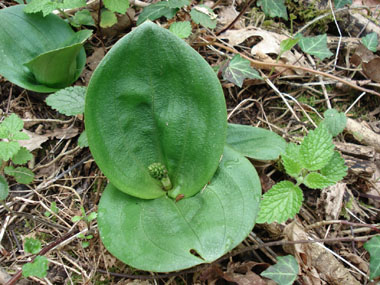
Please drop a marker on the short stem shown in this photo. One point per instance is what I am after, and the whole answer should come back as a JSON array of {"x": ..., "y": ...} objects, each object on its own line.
[
  {"x": 166, "y": 183},
  {"x": 6, "y": 207}
]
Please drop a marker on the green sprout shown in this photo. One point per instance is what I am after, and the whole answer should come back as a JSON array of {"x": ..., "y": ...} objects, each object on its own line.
[{"x": 158, "y": 171}]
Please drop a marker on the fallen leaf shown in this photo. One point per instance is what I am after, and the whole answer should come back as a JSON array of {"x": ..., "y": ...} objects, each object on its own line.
[
  {"x": 34, "y": 142},
  {"x": 333, "y": 200},
  {"x": 227, "y": 14},
  {"x": 66, "y": 134},
  {"x": 371, "y": 69}
]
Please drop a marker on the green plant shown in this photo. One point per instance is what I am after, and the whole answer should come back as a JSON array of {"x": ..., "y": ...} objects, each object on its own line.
[
  {"x": 42, "y": 54},
  {"x": 284, "y": 272},
  {"x": 313, "y": 163},
  {"x": 164, "y": 118},
  {"x": 84, "y": 217},
  {"x": 373, "y": 247},
  {"x": 39, "y": 265}
]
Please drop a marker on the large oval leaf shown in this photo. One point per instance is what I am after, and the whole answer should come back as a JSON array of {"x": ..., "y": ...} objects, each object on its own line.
[
  {"x": 26, "y": 36},
  {"x": 163, "y": 235},
  {"x": 155, "y": 99}
]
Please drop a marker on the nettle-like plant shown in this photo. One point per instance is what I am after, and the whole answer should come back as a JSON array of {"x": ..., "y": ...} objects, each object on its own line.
[
  {"x": 180, "y": 193},
  {"x": 41, "y": 54}
]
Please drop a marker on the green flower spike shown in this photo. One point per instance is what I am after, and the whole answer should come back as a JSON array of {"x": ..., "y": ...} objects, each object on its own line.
[{"x": 158, "y": 171}]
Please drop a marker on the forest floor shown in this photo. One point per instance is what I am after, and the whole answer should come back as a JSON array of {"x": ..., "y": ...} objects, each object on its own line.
[{"x": 344, "y": 215}]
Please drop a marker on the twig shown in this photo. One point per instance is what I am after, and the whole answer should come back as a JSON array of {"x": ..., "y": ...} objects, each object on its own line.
[{"x": 324, "y": 223}]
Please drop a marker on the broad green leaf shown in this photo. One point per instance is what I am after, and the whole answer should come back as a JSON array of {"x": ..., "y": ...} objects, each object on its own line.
[
  {"x": 371, "y": 41},
  {"x": 204, "y": 16},
  {"x": 334, "y": 121},
  {"x": 20, "y": 136},
  {"x": 107, "y": 19},
  {"x": 155, "y": 11},
  {"x": 82, "y": 140},
  {"x": 4, "y": 189},
  {"x": 82, "y": 17},
  {"x": 148, "y": 104},
  {"x": 71, "y": 4},
  {"x": 335, "y": 169},
  {"x": 316, "y": 149},
  {"x": 315, "y": 180},
  {"x": 37, "y": 268},
  {"x": 273, "y": 8},
  {"x": 13, "y": 124},
  {"x": 288, "y": 44},
  {"x": 281, "y": 202},
  {"x": 341, "y": 3},
  {"x": 8, "y": 149},
  {"x": 181, "y": 29},
  {"x": 373, "y": 247},
  {"x": 161, "y": 234},
  {"x": 291, "y": 160},
  {"x": 119, "y": 6},
  {"x": 239, "y": 69},
  {"x": 21, "y": 174},
  {"x": 22, "y": 156},
  {"x": 256, "y": 143},
  {"x": 68, "y": 101},
  {"x": 44, "y": 6},
  {"x": 315, "y": 46},
  {"x": 33, "y": 35},
  {"x": 284, "y": 272},
  {"x": 178, "y": 3},
  {"x": 57, "y": 68},
  {"x": 32, "y": 245}
]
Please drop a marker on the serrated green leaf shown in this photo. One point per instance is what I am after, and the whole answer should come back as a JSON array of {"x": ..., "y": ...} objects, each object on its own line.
[
  {"x": 288, "y": 44},
  {"x": 341, "y": 3},
  {"x": 71, "y": 4},
  {"x": 203, "y": 15},
  {"x": 68, "y": 101},
  {"x": 4, "y": 133},
  {"x": 291, "y": 161},
  {"x": 32, "y": 245},
  {"x": 119, "y": 6},
  {"x": 13, "y": 124},
  {"x": 370, "y": 41},
  {"x": 239, "y": 69},
  {"x": 82, "y": 17},
  {"x": 281, "y": 202},
  {"x": 316, "y": 149},
  {"x": 315, "y": 180},
  {"x": 82, "y": 140},
  {"x": 21, "y": 174},
  {"x": 4, "y": 189},
  {"x": 335, "y": 168},
  {"x": 44, "y": 6},
  {"x": 284, "y": 272},
  {"x": 107, "y": 19},
  {"x": 37, "y": 268},
  {"x": 373, "y": 247},
  {"x": 315, "y": 46},
  {"x": 178, "y": 3},
  {"x": 155, "y": 11},
  {"x": 334, "y": 121},
  {"x": 273, "y": 8},
  {"x": 8, "y": 149},
  {"x": 181, "y": 29},
  {"x": 255, "y": 143},
  {"x": 22, "y": 156},
  {"x": 20, "y": 136}
]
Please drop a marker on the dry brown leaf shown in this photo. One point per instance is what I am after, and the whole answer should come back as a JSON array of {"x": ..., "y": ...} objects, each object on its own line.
[
  {"x": 333, "y": 200},
  {"x": 34, "y": 142},
  {"x": 227, "y": 14},
  {"x": 66, "y": 134},
  {"x": 372, "y": 70}
]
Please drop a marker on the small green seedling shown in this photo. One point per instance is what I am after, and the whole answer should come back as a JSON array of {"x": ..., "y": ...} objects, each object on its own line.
[
  {"x": 85, "y": 239},
  {"x": 53, "y": 209},
  {"x": 87, "y": 218},
  {"x": 39, "y": 266}
]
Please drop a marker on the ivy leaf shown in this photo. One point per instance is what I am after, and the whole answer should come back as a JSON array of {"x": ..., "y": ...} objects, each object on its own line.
[
  {"x": 178, "y": 3},
  {"x": 341, "y": 3},
  {"x": 107, "y": 19},
  {"x": 316, "y": 149},
  {"x": 68, "y": 101},
  {"x": 82, "y": 140},
  {"x": 4, "y": 189},
  {"x": 181, "y": 29},
  {"x": 8, "y": 149},
  {"x": 44, "y": 6},
  {"x": 119, "y": 6},
  {"x": 239, "y": 69},
  {"x": 315, "y": 46},
  {"x": 204, "y": 16},
  {"x": 155, "y": 11},
  {"x": 82, "y": 17},
  {"x": 32, "y": 245},
  {"x": 334, "y": 121},
  {"x": 22, "y": 156},
  {"x": 290, "y": 160},
  {"x": 281, "y": 202},
  {"x": 273, "y": 8},
  {"x": 288, "y": 44},
  {"x": 370, "y": 41},
  {"x": 37, "y": 268},
  {"x": 22, "y": 175},
  {"x": 284, "y": 272},
  {"x": 315, "y": 180},
  {"x": 335, "y": 169},
  {"x": 373, "y": 247}
]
